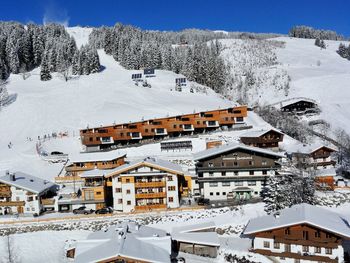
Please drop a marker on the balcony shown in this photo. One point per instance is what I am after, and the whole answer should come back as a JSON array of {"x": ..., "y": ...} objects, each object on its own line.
[
  {"x": 12, "y": 203},
  {"x": 212, "y": 124},
  {"x": 150, "y": 207},
  {"x": 106, "y": 140},
  {"x": 149, "y": 184},
  {"x": 49, "y": 201},
  {"x": 136, "y": 135},
  {"x": 62, "y": 179},
  {"x": 161, "y": 131},
  {"x": 5, "y": 193},
  {"x": 150, "y": 195},
  {"x": 188, "y": 127}
]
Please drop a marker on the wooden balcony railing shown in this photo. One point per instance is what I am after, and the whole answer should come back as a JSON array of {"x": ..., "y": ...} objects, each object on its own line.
[
  {"x": 5, "y": 193},
  {"x": 149, "y": 184},
  {"x": 50, "y": 201},
  {"x": 150, "y": 207},
  {"x": 151, "y": 195},
  {"x": 12, "y": 203},
  {"x": 60, "y": 179}
]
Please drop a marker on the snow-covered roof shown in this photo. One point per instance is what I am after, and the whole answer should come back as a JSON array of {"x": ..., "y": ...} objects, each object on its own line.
[
  {"x": 162, "y": 164},
  {"x": 233, "y": 146},
  {"x": 294, "y": 100},
  {"x": 27, "y": 182},
  {"x": 94, "y": 173},
  {"x": 308, "y": 148},
  {"x": 326, "y": 172},
  {"x": 126, "y": 241},
  {"x": 196, "y": 234},
  {"x": 258, "y": 133},
  {"x": 301, "y": 214},
  {"x": 95, "y": 157}
]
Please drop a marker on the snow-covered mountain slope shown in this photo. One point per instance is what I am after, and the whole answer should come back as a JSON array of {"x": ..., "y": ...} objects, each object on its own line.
[
  {"x": 111, "y": 96},
  {"x": 318, "y": 74},
  {"x": 80, "y": 34}
]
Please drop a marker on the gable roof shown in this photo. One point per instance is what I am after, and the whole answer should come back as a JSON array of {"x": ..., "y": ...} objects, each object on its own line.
[
  {"x": 309, "y": 148},
  {"x": 259, "y": 133},
  {"x": 301, "y": 214},
  {"x": 295, "y": 100},
  {"x": 149, "y": 245},
  {"x": 27, "y": 182},
  {"x": 96, "y": 157},
  {"x": 150, "y": 162},
  {"x": 232, "y": 146}
]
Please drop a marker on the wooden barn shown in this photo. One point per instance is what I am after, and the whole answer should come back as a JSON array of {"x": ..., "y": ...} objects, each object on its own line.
[{"x": 300, "y": 106}]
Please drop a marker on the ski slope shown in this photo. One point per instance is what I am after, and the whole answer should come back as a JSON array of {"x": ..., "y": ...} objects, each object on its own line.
[
  {"x": 318, "y": 74},
  {"x": 110, "y": 96}
]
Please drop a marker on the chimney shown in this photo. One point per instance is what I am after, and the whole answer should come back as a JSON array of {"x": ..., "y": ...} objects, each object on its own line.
[
  {"x": 13, "y": 177},
  {"x": 276, "y": 215},
  {"x": 7, "y": 172}
]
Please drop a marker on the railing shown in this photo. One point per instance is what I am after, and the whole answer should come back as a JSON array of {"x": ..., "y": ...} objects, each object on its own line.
[
  {"x": 5, "y": 193},
  {"x": 149, "y": 184},
  {"x": 50, "y": 201},
  {"x": 150, "y": 195},
  {"x": 150, "y": 207},
  {"x": 12, "y": 203},
  {"x": 60, "y": 179}
]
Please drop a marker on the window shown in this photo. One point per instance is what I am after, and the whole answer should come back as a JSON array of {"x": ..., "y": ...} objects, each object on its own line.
[
  {"x": 223, "y": 193},
  {"x": 240, "y": 183},
  {"x": 30, "y": 198},
  {"x": 223, "y": 173},
  {"x": 90, "y": 139},
  {"x": 118, "y": 190},
  {"x": 287, "y": 231},
  {"x": 210, "y": 165},
  {"x": 211, "y": 174},
  {"x": 235, "y": 172},
  {"x": 17, "y": 198},
  {"x": 276, "y": 245},
  {"x": 305, "y": 248},
  {"x": 328, "y": 251},
  {"x": 146, "y": 130},
  {"x": 217, "y": 193},
  {"x": 239, "y": 118},
  {"x": 318, "y": 234},
  {"x": 305, "y": 235},
  {"x": 251, "y": 172},
  {"x": 98, "y": 193},
  {"x": 120, "y": 201},
  {"x": 287, "y": 247},
  {"x": 128, "y": 202},
  {"x": 211, "y": 193},
  {"x": 170, "y": 178},
  {"x": 264, "y": 172},
  {"x": 317, "y": 250},
  {"x": 235, "y": 163},
  {"x": 251, "y": 183},
  {"x": 119, "y": 179},
  {"x": 127, "y": 180},
  {"x": 213, "y": 184},
  {"x": 328, "y": 235},
  {"x": 296, "y": 260},
  {"x": 226, "y": 184},
  {"x": 89, "y": 195},
  {"x": 264, "y": 162},
  {"x": 171, "y": 188},
  {"x": 171, "y": 199},
  {"x": 128, "y": 191},
  {"x": 266, "y": 244}
]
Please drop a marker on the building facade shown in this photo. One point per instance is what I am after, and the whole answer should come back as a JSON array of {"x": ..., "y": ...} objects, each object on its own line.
[
  {"x": 235, "y": 171},
  {"x": 302, "y": 233},
  {"x": 119, "y": 134},
  {"x": 146, "y": 185},
  {"x": 23, "y": 193},
  {"x": 263, "y": 139}
]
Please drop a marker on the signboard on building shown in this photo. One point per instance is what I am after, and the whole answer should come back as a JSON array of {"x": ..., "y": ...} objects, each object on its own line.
[{"x": 149, "y": 72}]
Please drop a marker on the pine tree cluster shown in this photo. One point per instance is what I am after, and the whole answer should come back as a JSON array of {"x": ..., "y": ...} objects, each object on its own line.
[
  {"x": 185, "y": 52},
  {"x": 344, "y": 51},
  {"x": 24, "y": 47},
  {"x": 287, "y": 190},
  {"x": 320, "y": 43},
  {"x": 309, "y": 32}
]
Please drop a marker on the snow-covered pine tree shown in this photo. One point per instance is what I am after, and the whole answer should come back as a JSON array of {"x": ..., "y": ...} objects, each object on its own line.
[
  {"x": 12, "y": 53},
  {"x": 45, "y": 70},
  {"x": 76, "y": 66}
]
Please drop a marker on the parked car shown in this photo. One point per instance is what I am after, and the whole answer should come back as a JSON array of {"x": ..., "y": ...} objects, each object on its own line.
[
  {"x": 105, "y": 210},
  {"x": 203, "y": 201},
  {"x": 83, "y": 210}
]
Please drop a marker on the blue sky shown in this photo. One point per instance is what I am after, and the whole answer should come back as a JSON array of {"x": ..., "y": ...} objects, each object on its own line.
[{"x": 232, "y": 15}]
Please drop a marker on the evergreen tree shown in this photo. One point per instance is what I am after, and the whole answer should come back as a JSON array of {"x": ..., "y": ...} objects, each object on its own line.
[{"x": 45, "y": 70}]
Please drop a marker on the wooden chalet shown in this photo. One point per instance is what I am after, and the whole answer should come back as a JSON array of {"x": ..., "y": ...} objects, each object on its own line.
[
  {"x": 263, "y": 138},
  {"x": 299, "y": 106},
  {"x": 105, "y": 137},
  {"x": 301, "y": 233}
]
